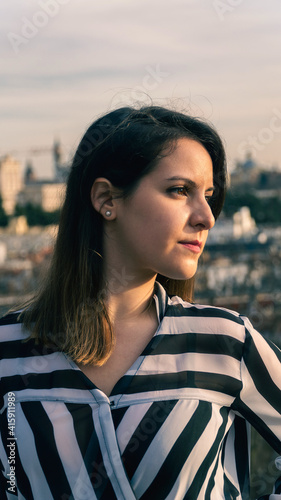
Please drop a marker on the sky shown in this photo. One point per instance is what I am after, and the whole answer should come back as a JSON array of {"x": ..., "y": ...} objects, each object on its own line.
[{"x": 66, "y": 62}]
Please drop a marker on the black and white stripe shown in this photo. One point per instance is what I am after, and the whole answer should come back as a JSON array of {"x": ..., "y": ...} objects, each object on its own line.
[{"x": 176, "y": 426}]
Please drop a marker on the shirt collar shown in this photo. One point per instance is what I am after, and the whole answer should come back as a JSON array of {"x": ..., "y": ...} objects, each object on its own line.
[{"x": 161, "y": 300}]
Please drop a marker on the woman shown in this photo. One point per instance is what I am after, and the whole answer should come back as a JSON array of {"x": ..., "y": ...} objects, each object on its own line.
[{"x": 119, "y": 386}]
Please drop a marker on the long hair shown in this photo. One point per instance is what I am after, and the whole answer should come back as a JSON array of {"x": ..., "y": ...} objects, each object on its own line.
[{"x": 122, "y": 146}]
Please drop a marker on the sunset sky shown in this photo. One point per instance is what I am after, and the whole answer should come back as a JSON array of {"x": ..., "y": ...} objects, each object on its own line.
[{"x": 64, "y": 62}]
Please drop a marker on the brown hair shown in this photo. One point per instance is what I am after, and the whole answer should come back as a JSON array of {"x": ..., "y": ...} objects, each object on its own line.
[{"x": 122, "y": 146}]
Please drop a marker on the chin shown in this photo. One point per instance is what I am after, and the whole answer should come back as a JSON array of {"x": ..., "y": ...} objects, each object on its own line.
[
  {"x": 187, "y": 274},
  {"x": 184, "y": 275}
]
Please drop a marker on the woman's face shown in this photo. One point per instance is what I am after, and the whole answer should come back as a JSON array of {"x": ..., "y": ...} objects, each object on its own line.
[{"x": 163, "y": 226}]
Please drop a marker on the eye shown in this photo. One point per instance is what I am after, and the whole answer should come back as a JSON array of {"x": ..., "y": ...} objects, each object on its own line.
[
  {"x": 180, "y": 190},
  {"x": 209, "y": 197}
]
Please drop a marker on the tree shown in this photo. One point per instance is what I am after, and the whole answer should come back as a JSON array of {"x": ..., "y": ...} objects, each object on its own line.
[
  {"x": 263, "y": 210},
  {"x": 36, "y": 216},
  {"x": 3, "y": 216}
]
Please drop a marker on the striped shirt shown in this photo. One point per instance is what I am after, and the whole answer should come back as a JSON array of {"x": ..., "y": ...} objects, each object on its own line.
[{"x": 175, "y": 427}]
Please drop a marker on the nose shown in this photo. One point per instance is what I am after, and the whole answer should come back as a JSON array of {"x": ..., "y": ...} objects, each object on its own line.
[{"x": 202, "y": 216}]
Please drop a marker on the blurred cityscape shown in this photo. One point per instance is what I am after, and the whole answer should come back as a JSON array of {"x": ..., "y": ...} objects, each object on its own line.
[
  {"x": 240, "y": 268},
  {"x": 29, "y": 211}
]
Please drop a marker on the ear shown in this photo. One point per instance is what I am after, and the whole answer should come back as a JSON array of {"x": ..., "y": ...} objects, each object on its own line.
[{"x": 102, "y": 198}]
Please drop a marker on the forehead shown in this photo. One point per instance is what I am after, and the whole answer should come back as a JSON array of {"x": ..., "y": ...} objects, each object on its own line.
[{"x": 187, "y": 158}]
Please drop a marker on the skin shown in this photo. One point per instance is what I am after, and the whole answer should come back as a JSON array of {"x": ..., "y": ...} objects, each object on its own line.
[
  {"x": 145, "y": 235},
  {"x": 149, "y": 225}
]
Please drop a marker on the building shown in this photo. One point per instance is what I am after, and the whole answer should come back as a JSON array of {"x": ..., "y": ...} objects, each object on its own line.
[
  {"x": 48, "y": 195},
  {"x": 61, "y": 169},
  {"x": 250, "y": 174},
  {"x": 10, "y": 183}
]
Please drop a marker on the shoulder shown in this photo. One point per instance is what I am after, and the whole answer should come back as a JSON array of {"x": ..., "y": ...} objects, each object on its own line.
[
  {"x": 11, "y": 327},
  {"x": 12, "y": 335},
  {"x": 22, "y": 355},
  {"x": 179, "y": 307},
  {"x": 10, "y": 318},
  {"x": 204, "y": 310},
  {"x": 205, "y": 318}
]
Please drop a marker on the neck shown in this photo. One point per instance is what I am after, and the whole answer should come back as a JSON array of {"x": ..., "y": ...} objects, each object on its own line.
[{"x": 131, "y": 300}]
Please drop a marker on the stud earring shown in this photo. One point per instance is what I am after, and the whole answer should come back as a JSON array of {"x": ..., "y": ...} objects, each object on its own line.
[{"x": 107, "y": 213}]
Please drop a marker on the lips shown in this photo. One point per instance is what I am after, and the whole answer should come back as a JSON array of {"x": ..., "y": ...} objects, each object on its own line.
[{"x": 194, "y": 246}]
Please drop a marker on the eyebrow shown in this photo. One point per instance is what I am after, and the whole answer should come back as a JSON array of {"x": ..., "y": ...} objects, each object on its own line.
[{"x": 189, "y": 182}]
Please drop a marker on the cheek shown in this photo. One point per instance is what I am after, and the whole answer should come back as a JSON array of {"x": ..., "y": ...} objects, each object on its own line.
[
  {"x": 154, "y": 221},
  {"x": 151, "y": 233}
]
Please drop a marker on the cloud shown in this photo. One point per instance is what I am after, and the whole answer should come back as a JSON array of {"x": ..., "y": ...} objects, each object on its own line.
[{"x": 87, "y": 58}]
